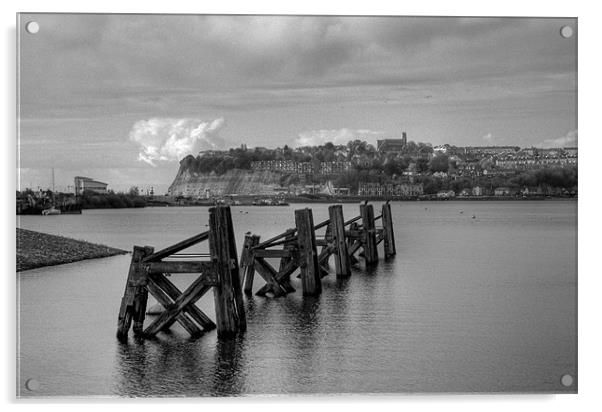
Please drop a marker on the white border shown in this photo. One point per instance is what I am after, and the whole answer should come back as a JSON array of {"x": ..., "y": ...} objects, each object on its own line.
[{"x": 589, "y": 205}]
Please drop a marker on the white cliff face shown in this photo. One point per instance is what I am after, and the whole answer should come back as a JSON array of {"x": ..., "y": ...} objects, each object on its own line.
[{"x": 235, "y": 181}]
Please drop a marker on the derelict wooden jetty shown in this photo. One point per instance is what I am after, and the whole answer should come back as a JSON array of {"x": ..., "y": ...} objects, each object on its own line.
[
  {"x": 296, "y": 248},
  {"x": 220, "y": 273}
]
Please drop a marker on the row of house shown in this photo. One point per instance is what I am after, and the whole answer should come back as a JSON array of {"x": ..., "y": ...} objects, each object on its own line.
[
  {"x": 292, "y": 166},
  {"x": 390, "y": 189},
  {"x": 501, "y": 191},
  {"x": 529, "y": 162}
]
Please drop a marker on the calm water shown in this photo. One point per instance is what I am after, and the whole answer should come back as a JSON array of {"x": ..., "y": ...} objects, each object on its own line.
[{"x": 485, "y": 304}]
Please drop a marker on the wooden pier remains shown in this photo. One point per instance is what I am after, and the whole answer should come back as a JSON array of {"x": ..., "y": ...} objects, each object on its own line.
[
  {"x": 148, "y": 270},
  {"x": 297, "y": 249}
]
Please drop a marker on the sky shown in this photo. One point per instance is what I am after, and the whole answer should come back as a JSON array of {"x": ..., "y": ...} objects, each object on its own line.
[{"x": 122, "y": 98}]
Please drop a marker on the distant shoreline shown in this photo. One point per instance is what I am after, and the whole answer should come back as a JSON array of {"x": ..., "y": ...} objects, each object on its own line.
[
  {"x": 36, "y": 249},
  {"x": 247, "y": 200}
]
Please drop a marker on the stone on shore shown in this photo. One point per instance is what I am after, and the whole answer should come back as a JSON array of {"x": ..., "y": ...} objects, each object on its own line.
[{"x": 35, "y": 249}]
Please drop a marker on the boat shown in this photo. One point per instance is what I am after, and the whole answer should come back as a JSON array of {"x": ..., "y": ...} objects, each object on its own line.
[
  {"x": 51, "y": 211},
  {"x": 269, "y": 202}
]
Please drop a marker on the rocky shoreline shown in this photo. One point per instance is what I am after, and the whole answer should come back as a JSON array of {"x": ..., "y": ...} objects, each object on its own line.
[{"x": 35, "y": 249}]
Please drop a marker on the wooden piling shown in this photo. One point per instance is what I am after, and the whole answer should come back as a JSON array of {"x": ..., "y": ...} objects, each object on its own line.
[
  {"x": 236, "y": 280},
  {"x": 133, "y": 303},
  {"x": 229, "y": 314},
  {"x": 370, "y": 249},
  {"x": 342, "y": 261},
  {"x": 310, "y": 269},
  {"x": 353, "y": 227},
  {"x": 247, "y": 261},
  {"x": 388, "y": 234},
  {"x": 286, "y": 261}
]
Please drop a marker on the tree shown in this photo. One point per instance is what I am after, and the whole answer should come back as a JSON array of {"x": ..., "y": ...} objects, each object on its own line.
[
  {"x": 134, "y": 191},
  {"x": 395, "y": 166},
  {"x": 411, "y": 147},
  {"x": 431, "y": 186},
  {"x": 439, "y": 163},
  {"x": 422, "y": 165}
]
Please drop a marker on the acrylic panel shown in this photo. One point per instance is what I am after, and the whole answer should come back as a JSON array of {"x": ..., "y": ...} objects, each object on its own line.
[{"x": 239, "y": 205}]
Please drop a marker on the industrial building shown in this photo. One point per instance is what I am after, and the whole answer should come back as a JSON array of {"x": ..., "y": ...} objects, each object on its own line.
[{"x": 83, "y": 184}]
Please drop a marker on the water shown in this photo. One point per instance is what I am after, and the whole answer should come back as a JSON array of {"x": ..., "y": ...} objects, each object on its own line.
[{"x": 467, "y": 305}]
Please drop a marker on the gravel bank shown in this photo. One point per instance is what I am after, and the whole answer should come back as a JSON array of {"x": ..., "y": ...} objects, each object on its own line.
[{"x": 35, "y": 249}]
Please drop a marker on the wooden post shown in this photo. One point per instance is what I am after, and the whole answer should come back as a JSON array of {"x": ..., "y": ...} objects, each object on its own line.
[
  {"x": 388, "y": 235},
  {"x": 236, "y": 280},
  {"x": 308, "y": 255},
  {"x": 285, "y": 261},
  {"x": 133, "y": 303},
  {"x": 227, "y": 311},
  {"x": 341, "y": 259},
  {"x": 353, "y": 227},
  {"x": 247, "y": 261},
  {"x": 370, "y": 250}
]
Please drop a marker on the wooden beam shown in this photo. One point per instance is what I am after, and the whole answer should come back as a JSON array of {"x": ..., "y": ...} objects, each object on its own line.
[
  {"x": 235, "y": 272},
  {"x": 291, "y": 247},
  {"x": 354, "y": 234},
  {"x": 182, "y": 318},
  {"x": 370, "y": 249},
  {"x": 206, "y": 268},
  {"x": 190, "y": 295},
  {"x": 324, "y": 255},
  {"x": 268, "y": 253},
  {"x": 310, "y": 269},
  {"x": 247, "y": 261},
  {"x": 271, "y": 240},
  {"x": 173, "y": 292},
  {"x": 355, "y": 247},
  {"x": 163, "y": 253},
  {"x": 342, "y": 262},
  {"x": 133, "y": 303},
  {"x": 290, "y": 239},
  {"x": 322, "y": 224},
  {"x": 268, "y": 273},
  {"x": 229, "y": 311},
  {"x": 282, "y": 278},
  {"x": 350, "y": 221},
  {"x": 387, "y": 232}
]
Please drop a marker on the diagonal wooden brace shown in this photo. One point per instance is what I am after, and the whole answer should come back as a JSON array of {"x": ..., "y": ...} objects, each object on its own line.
[
  {"x": 282, "y": 278},
  {"x": 197, "y": 289},
  {"x": 183, "y": 318},
  {"x": 268, "y": 273},
  {"x": 173, "y": 293}
]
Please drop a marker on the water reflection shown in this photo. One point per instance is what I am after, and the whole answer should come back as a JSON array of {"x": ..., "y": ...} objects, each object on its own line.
[
  {"x": 229, "y": 376},
  {"x": 438, "y": 311}
]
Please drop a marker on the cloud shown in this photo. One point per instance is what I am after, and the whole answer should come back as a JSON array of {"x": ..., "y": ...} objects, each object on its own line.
[
  {"x": 167, "y": 139},
  {"x": 488, "y": 137},
  {"x": 163, "y": 55},
  {"x": 568, "y": 140},
  {"x": 336, "y": 136}
]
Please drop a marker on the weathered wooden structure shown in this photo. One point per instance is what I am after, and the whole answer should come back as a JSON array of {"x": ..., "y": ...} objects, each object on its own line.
[
  {"x": 148, "y": 270},
  {"x": 297, "y": 249}
]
